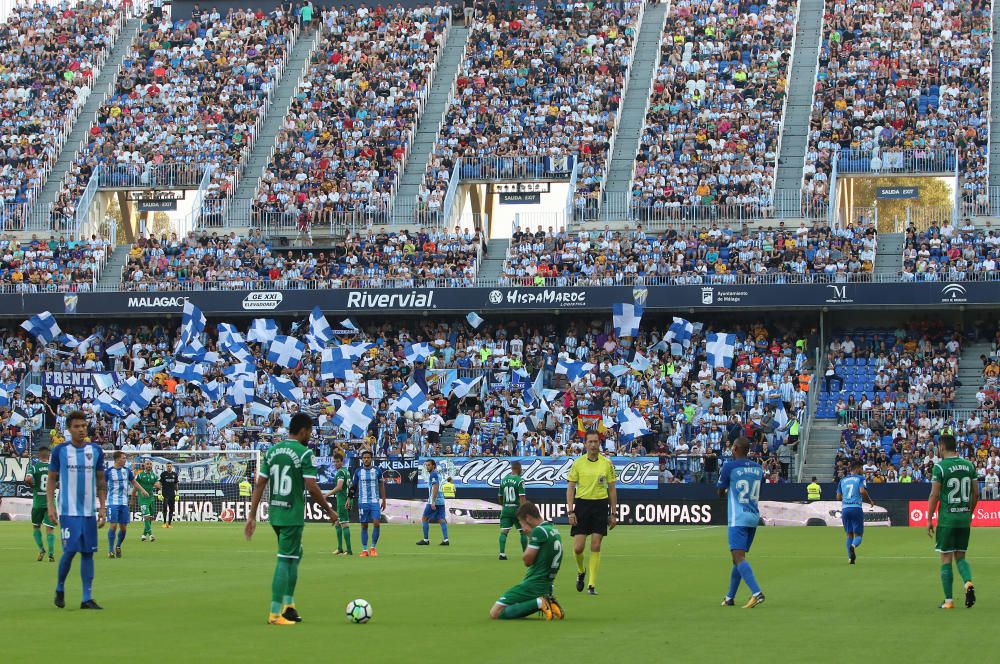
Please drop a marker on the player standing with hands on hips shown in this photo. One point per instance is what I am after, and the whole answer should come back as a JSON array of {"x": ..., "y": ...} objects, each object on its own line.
[
  {"x": 77, "y": 469},
  {"x": 592, "y": 505},
  {"x": 288, "y": 467}
]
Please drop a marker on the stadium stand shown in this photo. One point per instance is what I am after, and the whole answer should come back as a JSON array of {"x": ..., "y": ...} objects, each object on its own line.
[
  {"x": 45, "y": 266},
  {"x": 714, "y": 118},
  {"x": 948, "y": 254},
  {"x": 348, "y": 134}
]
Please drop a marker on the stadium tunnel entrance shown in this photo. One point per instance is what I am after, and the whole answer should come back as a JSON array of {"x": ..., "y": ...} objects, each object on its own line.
[{"x": 895, "y": 201}]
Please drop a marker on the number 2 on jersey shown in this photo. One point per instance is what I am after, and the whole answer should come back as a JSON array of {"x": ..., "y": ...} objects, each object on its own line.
[
  {"x": 959, "y": 490},
  {"x": 747, "y": 490}
]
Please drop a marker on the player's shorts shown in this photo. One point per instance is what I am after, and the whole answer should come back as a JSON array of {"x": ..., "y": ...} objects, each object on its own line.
[
  {"x": 591, "y": 517},
  {"x": 741, "y": 537},
  {"x": 148, "y": 507},
  {"x": 508, "y": 517},
  {"x": 289, "y": 541},
  {"x": 40, "y": 517},
  {"x": 853, "y": 519},
  {"x": 343, "y": 515},
  {"x": 78, "y": 533},
  {"x": 950, "y": 539},
  {"x": 524, "y": 592},
  {"x": 369, "y": 512},
  {"x": 435, "y": 513},
  {"x": 119, "y": 514}
]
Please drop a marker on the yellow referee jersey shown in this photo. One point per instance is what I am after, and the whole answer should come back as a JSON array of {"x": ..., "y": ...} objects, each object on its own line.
[{"x": 592, "y": 478}]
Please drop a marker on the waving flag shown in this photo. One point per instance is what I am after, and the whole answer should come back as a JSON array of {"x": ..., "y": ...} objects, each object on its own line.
[
  {"x": 411, "y": 400},
  {"x": 186, "y": 371},
  {"x": 286, "y": 352},
  {"x": 333, "y": 364},
  {"x": 640, "y": 363},
  {"x": 353, "y": 418},
  {"x": 212, "y": 391},
  {"x": 626, "y": 319},
  {"x": 573, "y": 370},
  {"x": 192, "y": 323},
  {"x": 117, "y": 350},
  {"x": 721, "y": 349},
  {"x": 319, "y": 327},
  {"x": 348, "y": 323},
  {"x": 474, "y": 319},
  {"x": 135, "y": 394},
  {"x": 286, "y": 388},
  {"x": 418, "y": 352},
  {"x": 241, "y": 390},
  {"x": 631, "y": 425},
  {"x": 354, "y": 350},
  {"x": 259, "y": 408},
  {"x": 462, "y": 386},
  {"x": 680, "y": 331},
  {"x": 109, "y": 403},
  {"x": 43, "y": 327},
  {"x": 104, "y": 381},
  {"x": 262, "y": 330},
  {"x": 241, "y": 369},
  {"x": 533, "y": 393},
  {"x": 18, "y": 417},
  {"x": 462, "y": 422},
  {"x": 222, "y": 417}
]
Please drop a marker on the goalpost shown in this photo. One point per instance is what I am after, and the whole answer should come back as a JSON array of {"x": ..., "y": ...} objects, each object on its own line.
[{"x": 208, "y": 482}]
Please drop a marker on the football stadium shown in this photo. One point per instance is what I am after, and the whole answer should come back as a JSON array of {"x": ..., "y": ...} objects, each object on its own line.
[{"x": 409, "y": 330}]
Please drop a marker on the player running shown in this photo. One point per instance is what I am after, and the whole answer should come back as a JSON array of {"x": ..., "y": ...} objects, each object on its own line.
[
  {"x": 288, "y": 467},
  {"x": 38, "y": 479},
  {"x": 592, "y": 506},
  {"x": 543, "y": 557},
  {"x": 168, "y": 489},
  {"x": 511, "y": 497},
  {"x": 77, "y": 469},
  {"x": 741, "y": 479},
  {"x": 121, "y": 484},
  {"x": 850, "y": 492},
  {"x": 147, "y": 504},
  {"x": 434, "y": 511},
  {"x": 371, "y": 501},
  {"x": 341, "y": 493},
  {"x": 961, "y": 493}
]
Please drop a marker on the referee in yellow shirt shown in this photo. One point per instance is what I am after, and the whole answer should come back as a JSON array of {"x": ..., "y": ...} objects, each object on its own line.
[{"x": 591, "y": 502}]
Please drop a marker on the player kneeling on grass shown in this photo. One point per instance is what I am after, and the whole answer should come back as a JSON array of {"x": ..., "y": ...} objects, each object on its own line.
[{"x": 543, "y": 557}]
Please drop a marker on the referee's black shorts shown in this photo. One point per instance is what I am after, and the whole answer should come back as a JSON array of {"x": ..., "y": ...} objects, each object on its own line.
[{"x": 591, "y": 517}]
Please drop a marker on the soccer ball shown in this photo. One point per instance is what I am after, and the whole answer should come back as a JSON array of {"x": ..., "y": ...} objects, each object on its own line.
[{"x": 359, "y": 611}]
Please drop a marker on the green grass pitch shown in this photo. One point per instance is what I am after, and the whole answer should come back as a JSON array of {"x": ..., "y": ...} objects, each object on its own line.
[{"x": 200, "y": 593}]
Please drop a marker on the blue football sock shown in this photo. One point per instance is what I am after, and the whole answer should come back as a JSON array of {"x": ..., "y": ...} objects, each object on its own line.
[
  {"x": 444, "y": 529},
  {"x": 87, "y": 574},
  {"x": 65, "y": 563},
  {"x": 734, "y": 581},
  {"x": 111, "y": 541},
  {"x": 121, "y": 535},
  {"x": 364, "y": 539},
  {"x": 747, "y": 573},
  {"x": 857, "y": 541},
  {"x": 375, "y": 533},
  {"x": 427, "y": 528},
  {"x": 848, "y": 545}
]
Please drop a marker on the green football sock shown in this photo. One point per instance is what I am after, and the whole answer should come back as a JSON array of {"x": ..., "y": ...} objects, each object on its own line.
[
  {"x": 147, "y": 527},
  {"x": 947, "y": 578},
  {"x": 503, "y": 541},
  {"x": 519, "y": 610},
  {"x": 279, "y": 584},
  {"x": 38, "y": 538},
  {"x": 964, "y": 569},
  {"x": 347, "y": 538},
  {"x": 340, "y": 538},
  {"x": 524, "y": 542},
  {"x": 293, "y": 579},
  {"x": 51, "y": 538}
]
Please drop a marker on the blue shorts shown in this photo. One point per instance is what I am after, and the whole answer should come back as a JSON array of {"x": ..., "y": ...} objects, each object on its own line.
[
  {"x": 369, "y": 512},
  {"x": 853, "y": 519},
  {"x": 741, "y": 537},
  {"x": 119, "y": 514},
  {"x": 435, "y": 513},
  {"x": 79, "y": 534}
]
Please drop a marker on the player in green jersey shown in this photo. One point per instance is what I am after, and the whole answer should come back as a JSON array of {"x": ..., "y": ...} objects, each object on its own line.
[
  {"x": 511, "y": 497},
  {"x": 955, "y": 488},
  {"x": 37, "y": 478},
  {"x": 288, "y": 467},
  {"x": 148, "y": 480},
  {"x": 342, "y": 497},
  {"x": 543, "y": 558}
]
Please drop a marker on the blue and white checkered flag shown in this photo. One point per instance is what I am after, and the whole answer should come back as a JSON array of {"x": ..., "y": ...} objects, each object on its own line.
[
  {"x": 721, "y": 349},
  {"x": 627, "y": 318},
  {"x": 43, "y": 327}
]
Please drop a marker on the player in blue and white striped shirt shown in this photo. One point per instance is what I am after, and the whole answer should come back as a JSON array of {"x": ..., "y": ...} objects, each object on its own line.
[
  {"x": 371, "y": 501},
  {"x": 77, "y": 470},
  {"x": 121, "y": 483}
]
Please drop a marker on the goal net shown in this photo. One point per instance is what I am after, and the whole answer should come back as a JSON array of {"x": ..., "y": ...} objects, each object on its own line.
[{"x": 208, "y": 482}]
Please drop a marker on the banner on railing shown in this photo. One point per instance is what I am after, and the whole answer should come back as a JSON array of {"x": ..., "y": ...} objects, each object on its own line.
[{"x": 540, "y": 472}]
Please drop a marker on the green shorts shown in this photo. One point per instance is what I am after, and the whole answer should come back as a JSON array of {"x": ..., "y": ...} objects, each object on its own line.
[
  {"x": 289, "y": 541},
  {"x": 951, "y": 539},
  {"x": 508, "y": 517},
  {"x": 523, "y": 592},
  {"x": 147, "y": 506},
  {"x": 40, "y": 517},
  {"x": 343, "y": 515}
]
